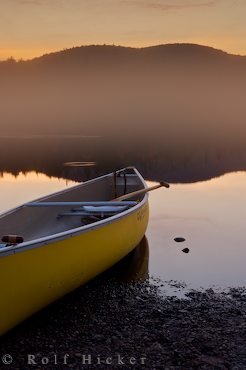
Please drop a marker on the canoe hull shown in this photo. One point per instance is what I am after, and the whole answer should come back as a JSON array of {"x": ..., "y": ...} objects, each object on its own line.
[{"x": 33, "y": 278}]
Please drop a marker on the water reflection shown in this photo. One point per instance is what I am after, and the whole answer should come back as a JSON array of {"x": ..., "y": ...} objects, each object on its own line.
[
  {"x": 134, "y": 267},
  {"x": 211, "y": 217},
  {"x": 156, "y": 159},
  {"x": 23, "y": 187}
]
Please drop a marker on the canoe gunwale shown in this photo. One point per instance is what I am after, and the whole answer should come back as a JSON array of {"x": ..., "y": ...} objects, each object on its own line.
[{"x": 39, "y": 242}]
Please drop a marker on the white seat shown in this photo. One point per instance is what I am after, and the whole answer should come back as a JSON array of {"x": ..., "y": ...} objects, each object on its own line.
[{"x": 104, "y": 209}]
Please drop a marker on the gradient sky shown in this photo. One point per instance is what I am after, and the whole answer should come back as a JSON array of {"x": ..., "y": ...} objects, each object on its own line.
[{"x": 30, "y": 28}]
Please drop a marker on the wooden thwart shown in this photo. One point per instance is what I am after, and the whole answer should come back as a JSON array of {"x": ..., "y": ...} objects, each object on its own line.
[
  {"x": 62, "y": 204},
  {"x": 82, "y": 214}
]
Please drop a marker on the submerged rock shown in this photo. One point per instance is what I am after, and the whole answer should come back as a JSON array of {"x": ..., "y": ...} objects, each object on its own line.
[{"x": 185, "y": 250}]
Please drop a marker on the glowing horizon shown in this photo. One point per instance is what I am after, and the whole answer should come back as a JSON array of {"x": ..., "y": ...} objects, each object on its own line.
[{"x": 31, "y": 28}]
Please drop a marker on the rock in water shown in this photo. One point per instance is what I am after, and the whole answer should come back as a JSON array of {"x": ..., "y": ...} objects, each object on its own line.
[
  {"x": 185, "y": 250},
  {"x": 179, "y": 239}
]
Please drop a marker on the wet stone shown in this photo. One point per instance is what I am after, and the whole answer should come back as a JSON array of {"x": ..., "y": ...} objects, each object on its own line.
[{"x": 179, "y": 239}]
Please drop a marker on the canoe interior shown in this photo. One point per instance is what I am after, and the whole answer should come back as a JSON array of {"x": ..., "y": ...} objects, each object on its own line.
[{"x": 37, "y": 222}]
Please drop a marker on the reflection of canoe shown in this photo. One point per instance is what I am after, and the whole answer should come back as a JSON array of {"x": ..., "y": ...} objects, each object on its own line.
[
  {"x": 134, "y": 267},
  {"x": 69, "y": 237},
  {"x": 138, "y": 267}
]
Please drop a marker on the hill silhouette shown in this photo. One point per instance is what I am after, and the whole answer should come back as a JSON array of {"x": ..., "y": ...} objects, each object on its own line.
[{"x": 169, "y": 94}]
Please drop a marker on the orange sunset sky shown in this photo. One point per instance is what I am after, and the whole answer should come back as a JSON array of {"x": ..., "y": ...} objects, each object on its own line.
[{"x": 30, "y": 28}]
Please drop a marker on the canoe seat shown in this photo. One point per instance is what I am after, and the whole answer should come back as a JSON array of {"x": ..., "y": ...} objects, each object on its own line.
[
  {"x": 105, "y": 209},
  {"x": 100, "y": 211}
]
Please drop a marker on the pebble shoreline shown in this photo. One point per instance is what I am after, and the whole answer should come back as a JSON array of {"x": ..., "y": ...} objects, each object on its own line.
[{"x": 113, "y": 325}]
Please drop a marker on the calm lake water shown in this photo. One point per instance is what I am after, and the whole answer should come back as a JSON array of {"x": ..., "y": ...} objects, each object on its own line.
[{"x": 210, "y": 215}]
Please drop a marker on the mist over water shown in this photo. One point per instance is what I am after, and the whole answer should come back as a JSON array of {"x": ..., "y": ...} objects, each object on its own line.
[
  {"x": 173, "y": 94},
  {"x": 175, "y": 111}
]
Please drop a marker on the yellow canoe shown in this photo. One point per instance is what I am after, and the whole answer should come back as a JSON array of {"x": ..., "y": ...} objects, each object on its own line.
[{"x": 68, "y": 238}]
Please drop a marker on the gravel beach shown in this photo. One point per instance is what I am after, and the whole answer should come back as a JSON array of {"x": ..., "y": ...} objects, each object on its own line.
[{"x": 109, "y": 324}]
